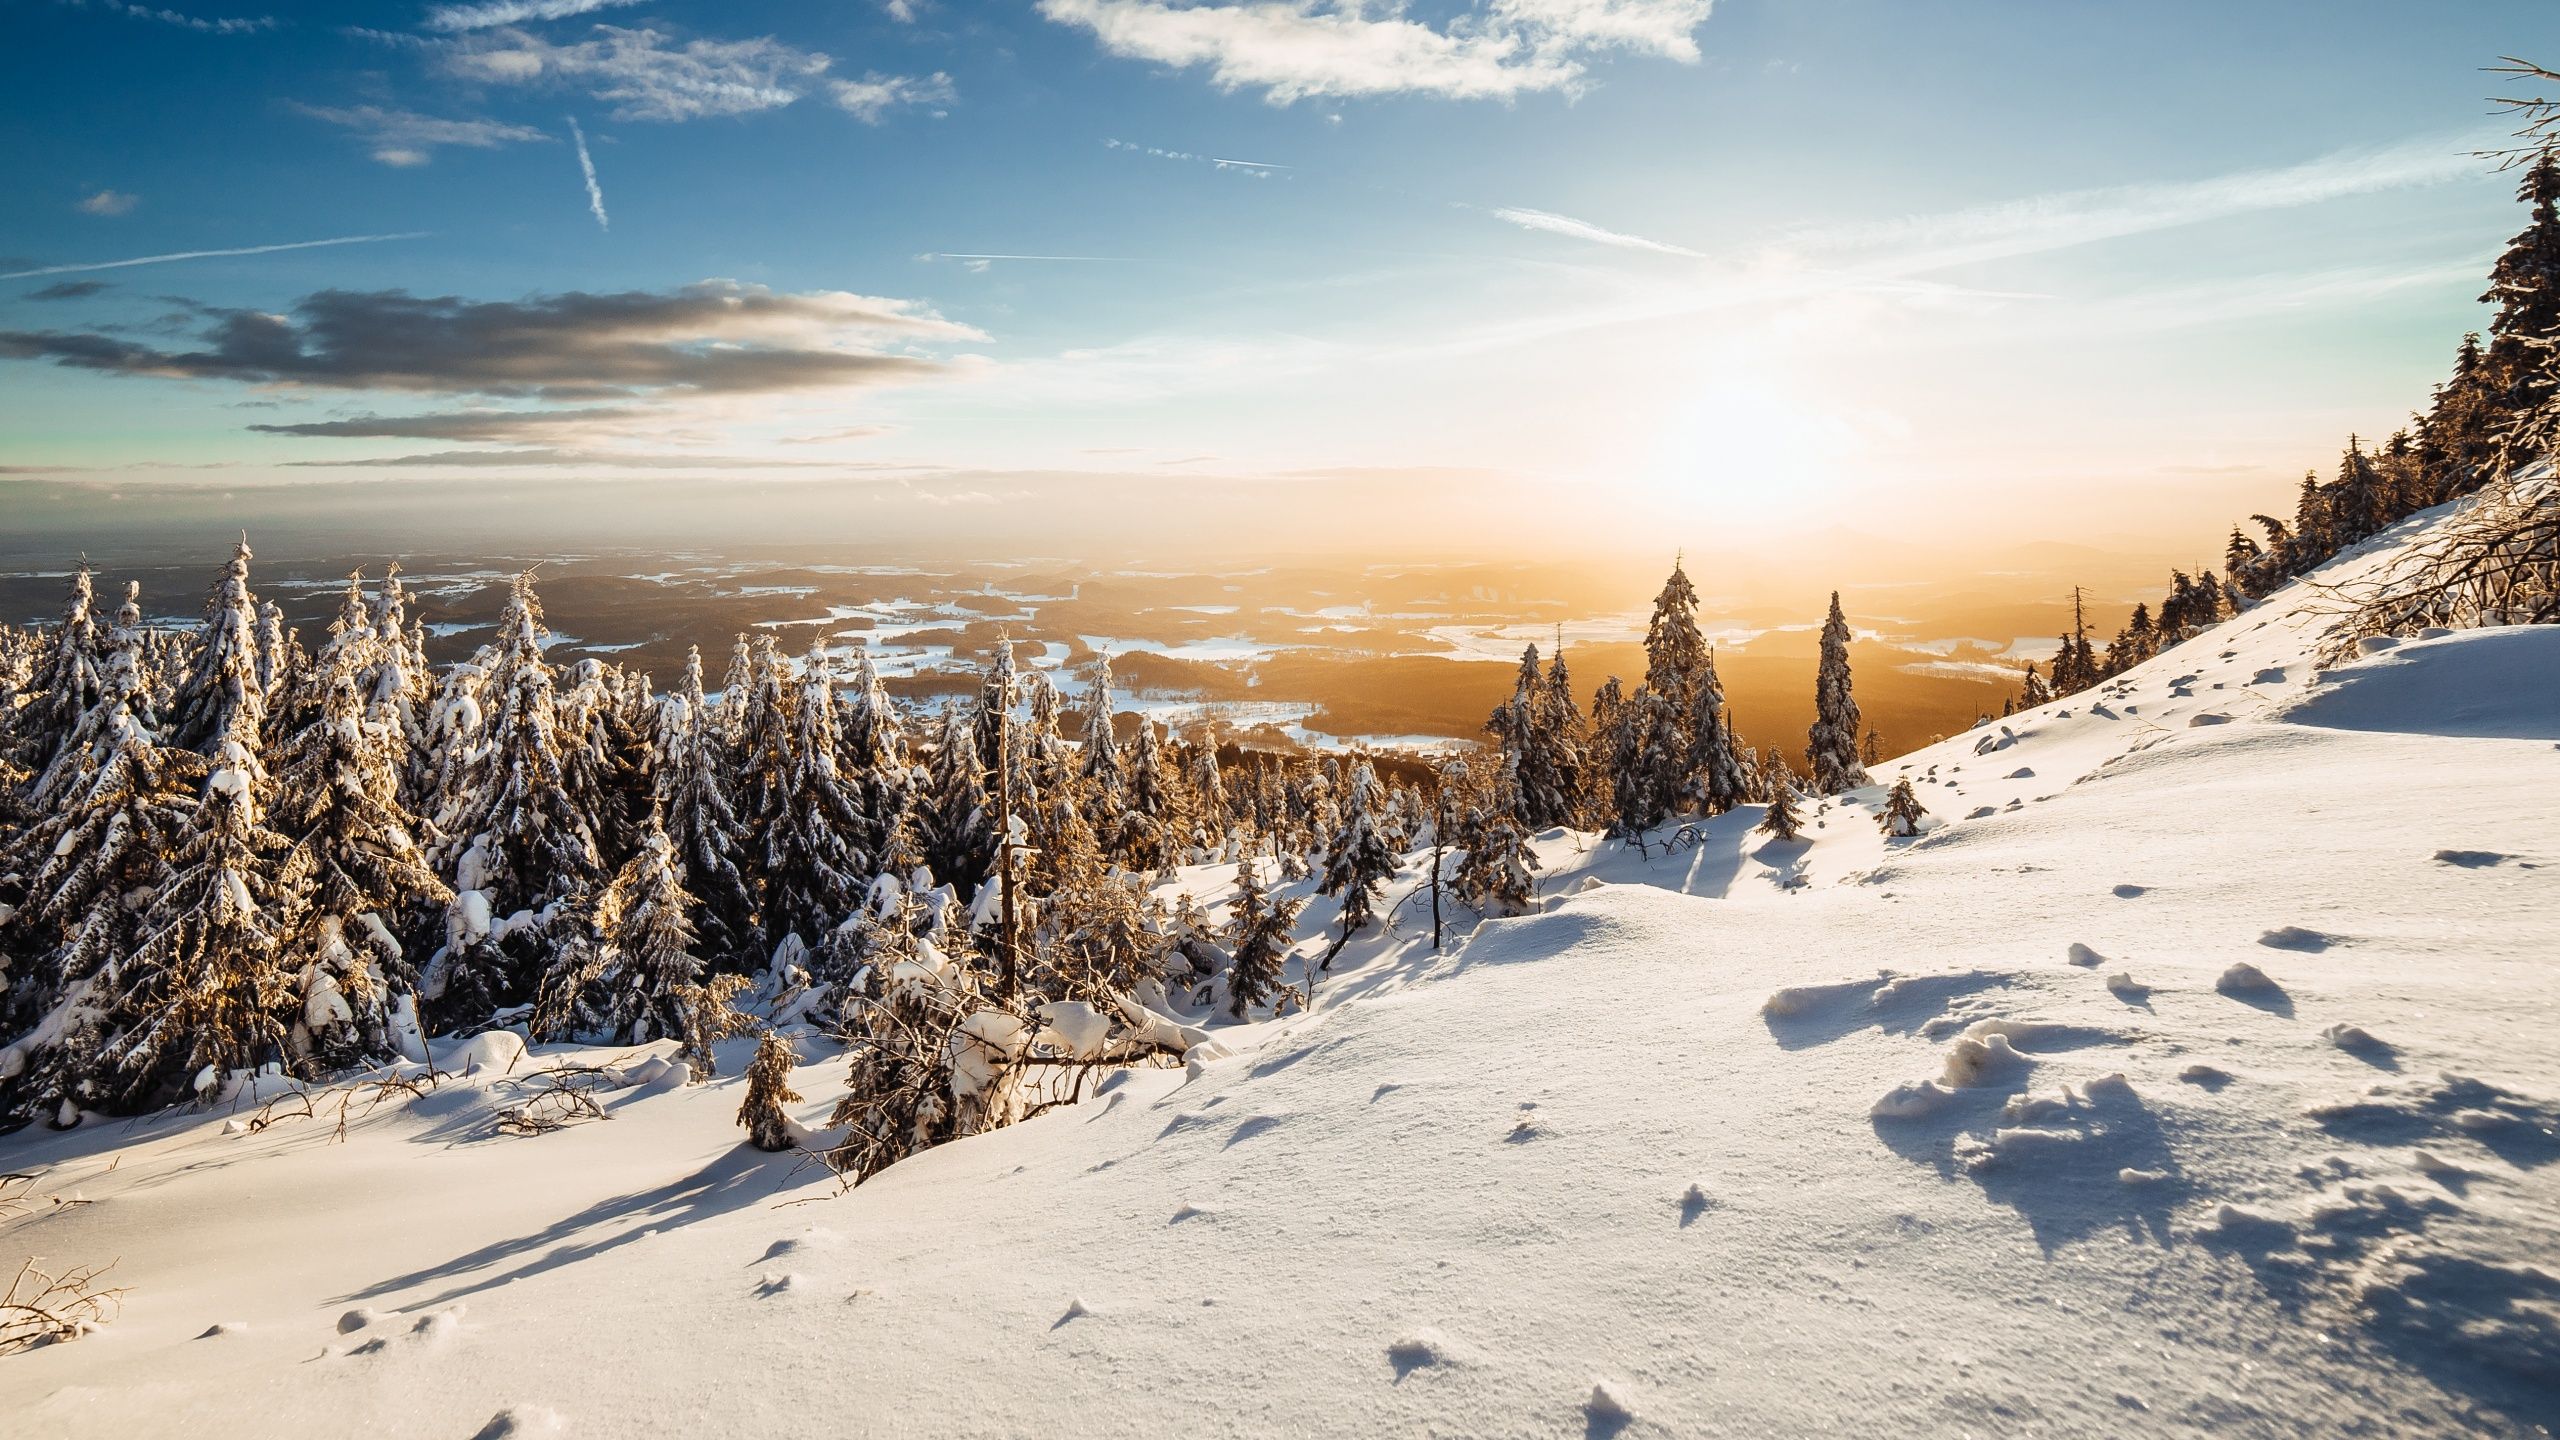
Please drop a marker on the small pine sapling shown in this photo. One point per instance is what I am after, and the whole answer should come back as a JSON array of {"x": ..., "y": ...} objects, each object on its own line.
[
  {"x": 1902, "y": 811},
  {"x": 768, "y": 1125}
]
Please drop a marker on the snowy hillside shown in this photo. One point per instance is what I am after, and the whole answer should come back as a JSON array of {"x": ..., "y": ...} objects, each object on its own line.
[{"x": 2193, "y": 1073}]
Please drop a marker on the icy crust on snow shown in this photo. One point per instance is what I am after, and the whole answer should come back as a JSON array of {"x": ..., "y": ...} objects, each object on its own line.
[{"x": 1984, "y": 1131}]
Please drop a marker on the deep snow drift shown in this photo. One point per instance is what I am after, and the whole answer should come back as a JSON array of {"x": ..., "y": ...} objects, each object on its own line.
[{"x": 2195, "y": 1072}]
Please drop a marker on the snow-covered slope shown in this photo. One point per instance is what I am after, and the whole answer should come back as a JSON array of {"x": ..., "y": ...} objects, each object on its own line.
[{"x": 2194, "y": 1073}]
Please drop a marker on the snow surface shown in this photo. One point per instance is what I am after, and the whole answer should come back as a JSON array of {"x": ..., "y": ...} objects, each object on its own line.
[{"x": 1961, "y": 1135}]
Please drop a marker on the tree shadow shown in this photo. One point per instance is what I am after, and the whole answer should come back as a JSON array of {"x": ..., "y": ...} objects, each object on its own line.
[{"x": 738, "y": 1178}]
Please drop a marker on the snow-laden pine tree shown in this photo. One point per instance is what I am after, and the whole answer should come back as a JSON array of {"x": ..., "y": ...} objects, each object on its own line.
[
  {"x": 1784, "y": 820},
  {"x": 1497, "y": 874},
  {"x": 516, "y": 834},
  {"x": 1101, "y": 746},
  {"x": 1151, "y": 816},
  {"x": 1357, "y": 863},
  {"x": 1668, "y": 730},
  {"x": 768, "y": 1125},
  {"x": 701, "y": 820},
  {"x": 204, "y": 993},
  {"x": 90, "y": 862},
  {"x": 62, "y": 686},
  {"x": 1832, "y": 747},
  {"x": 120, "y": 698},
  {"x": 1716, "y": 779},
  {"x": 875, "y": 749},
  {"x": 225, "y": 695},
  {"x": 356, "y": 867},
  {"x": 1261, "y": 927},
  {"x": 649, "y": 943},
  {"x": 961, "y": 833},
  {"x": 1903, "y": 811},
  {"x": 1535, "y": 730},
  {"x": 814, "y": 869}
]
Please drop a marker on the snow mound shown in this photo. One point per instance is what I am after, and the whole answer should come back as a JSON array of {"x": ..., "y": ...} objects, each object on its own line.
[{"x": 2501, "y": 683}]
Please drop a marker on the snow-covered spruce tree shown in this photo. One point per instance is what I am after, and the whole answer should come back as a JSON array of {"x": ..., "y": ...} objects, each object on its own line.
[
  {"x": 814, "y": 872},
  {"x": 1357, "y": 862},
  {"x": 89, "y": 863},
  {"x": 1832, "y": 748},
  {"x": 1048, "y": 761},
  {"x": 768, "y": 1125},
  {"x": 1212, "y": 814},
  {"x": 1784, "y": 821},
  {"x": 1151, "y": 816},
  {"x": 1261, "y": 927},
  {"x": 225, "y": 694},
  {"x": 204, "y": 991},
  {"x": 649, "y": 941},
  {"x": 1902, "y": 811},
  {"x": 701, "y": 820},
  {"x": 875, "y": 750},
  {"x": 518, "y": 838},
  {"x": 356, "y": 867},
  {"x": 1661, "y": 726},
  {"x": 1496, "y": 875},
  {"x": 1568, "y": 743},
  {"x": 1101, "y": 746},
  {"x": 63, "y": 685},
  {"x": 120, "y": 699},
  {"x": 1716, "y": 781},
  {"x": 960, "y": 840}
]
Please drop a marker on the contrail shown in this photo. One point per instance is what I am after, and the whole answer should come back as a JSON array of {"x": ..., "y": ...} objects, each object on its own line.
[
  {"x": 595, "y": 192},
  {"x": 210, "y": 254}
]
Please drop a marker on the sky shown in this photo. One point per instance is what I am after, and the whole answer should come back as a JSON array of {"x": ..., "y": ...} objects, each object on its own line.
[{"x": 1476, "y": 273}]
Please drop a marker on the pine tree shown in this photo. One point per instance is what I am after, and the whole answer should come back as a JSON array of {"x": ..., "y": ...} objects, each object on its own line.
[
  {"x": 63, "y": 685},
  {"x": 518, "y": 837},
  {"x": 1101, "y": 746},
  {"x": 961, "y": 835},
  {"x": 203, "y": 991},
  {"x": 2525, "y": 286},
  {"x": 1716, "y": 782},
  {"x": 225, "y": 695},
  {"x": 1784, "y": 822},
  {"x": 768, "y": 1125},
  {"x": 1357, "y": 863},
  {"x": 814, "y": 874},
  {"x": 356, "y": 867},
  {"x": 1261, "y": 927},
  {"x": 702, "y": 822},
  {"x": 1833, "y": 747},
  {"x": 1496, "y": 875},
  {"x": 1153, "y": 810},
  {"x": 643, "y": 921},
  {"x": 1902, "y": 811}
]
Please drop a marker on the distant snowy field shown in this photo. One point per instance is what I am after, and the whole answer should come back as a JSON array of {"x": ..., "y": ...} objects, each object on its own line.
[{"x": 2196, "y": 1072}]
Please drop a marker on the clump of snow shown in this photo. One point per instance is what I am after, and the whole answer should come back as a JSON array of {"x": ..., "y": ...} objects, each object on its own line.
[
  {"x": 2243, "y": 978},
  {"x": 2080, "y": 954}
]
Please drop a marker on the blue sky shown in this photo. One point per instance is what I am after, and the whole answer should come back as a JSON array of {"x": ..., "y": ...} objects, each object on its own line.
[{"x": 1766, "y": 265}]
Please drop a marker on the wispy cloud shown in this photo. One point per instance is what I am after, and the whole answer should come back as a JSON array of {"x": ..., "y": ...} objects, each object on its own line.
[
  {"x": 981, "y": 261},
  {"x": 874, "y": 96},
  {"x": 455, "y": 18},
  {"x": 202, "y": 25},
  {"x": 176, "y": 255},
  {"x": 2078, "y": 217},
  {"x": 71, "y": 290},
  {"x": 587, "y": 167},
  {"x": 1293, "y": 50},
  {"x": 405, "y": 138},
  {"x": 646, "y": 75},
  {"x": 1566, "y": 225},
  {"x": 108, "y": 202},
  {"x": 1259, "y": 169}
]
